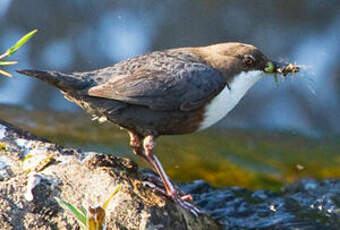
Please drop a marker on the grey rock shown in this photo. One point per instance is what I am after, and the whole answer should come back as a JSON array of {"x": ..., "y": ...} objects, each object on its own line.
[{"x": 27, "y": 196}]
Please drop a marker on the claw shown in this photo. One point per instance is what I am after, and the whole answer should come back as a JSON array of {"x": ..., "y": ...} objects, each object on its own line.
[
  {"x": 186, "y": 205},
  {"x": 177, "y": 195},
  {"x": 187, "y": 197}
]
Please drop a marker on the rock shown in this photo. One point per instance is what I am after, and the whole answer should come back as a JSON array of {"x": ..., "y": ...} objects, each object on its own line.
[
  {"x": 28, "y": 188},
  {"x": 33, "y": 171}
]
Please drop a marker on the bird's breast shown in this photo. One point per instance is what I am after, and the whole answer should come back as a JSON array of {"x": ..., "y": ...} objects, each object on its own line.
[{"x": 228, "y": 98}]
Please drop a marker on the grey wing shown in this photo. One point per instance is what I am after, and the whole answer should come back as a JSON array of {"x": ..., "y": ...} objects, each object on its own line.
[{"x": 186, "y": 88}]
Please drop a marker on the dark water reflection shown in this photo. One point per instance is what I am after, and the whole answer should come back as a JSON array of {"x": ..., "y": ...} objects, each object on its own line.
[
  {"x": 83, "y": 35},
  {"x": 253, "y": 159}
]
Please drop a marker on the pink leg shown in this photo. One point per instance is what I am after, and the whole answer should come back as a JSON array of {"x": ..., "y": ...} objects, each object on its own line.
[
  {"x": 136, "y": 144},
  {"x": 149, "y": 144},
  {"x": 134, "y": 140}
]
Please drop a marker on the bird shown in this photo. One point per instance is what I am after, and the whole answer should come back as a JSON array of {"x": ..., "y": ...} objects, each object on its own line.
[{"x": 170, "y": 92}]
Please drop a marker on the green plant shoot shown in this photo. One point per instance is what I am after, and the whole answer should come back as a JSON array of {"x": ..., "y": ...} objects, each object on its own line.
[
  {"x": 81, "y": 217},
  {"x": 91, "y": 218},
  {"x": 12, "y": 50},
  {"x": 20, "y": 43}
]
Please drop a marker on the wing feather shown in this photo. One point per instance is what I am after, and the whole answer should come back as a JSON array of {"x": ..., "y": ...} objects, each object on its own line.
[{"x": 178, "y": 86}]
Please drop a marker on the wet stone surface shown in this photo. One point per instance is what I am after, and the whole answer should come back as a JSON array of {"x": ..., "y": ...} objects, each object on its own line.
[{"x": 309, "y": 204}]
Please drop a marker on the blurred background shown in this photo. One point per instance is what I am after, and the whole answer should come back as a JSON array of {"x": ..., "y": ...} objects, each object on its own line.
[{"x": 82, "y": 35}]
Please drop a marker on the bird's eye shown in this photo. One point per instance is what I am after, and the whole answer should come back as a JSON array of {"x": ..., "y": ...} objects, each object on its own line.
[{"x": 249, "y": 60}]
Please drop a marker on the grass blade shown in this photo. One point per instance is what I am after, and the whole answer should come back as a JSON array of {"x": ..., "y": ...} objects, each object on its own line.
[
  {"x": 8, "y": 62},
  {"x": 78, "y": 214},
  {"x": 83, "y": 209},
  {"x": 5, "y": 73},
  {"x": 112, "y": 195},
  {"x": 276, "y": 79},
  {"x": 21, "y": 42}
]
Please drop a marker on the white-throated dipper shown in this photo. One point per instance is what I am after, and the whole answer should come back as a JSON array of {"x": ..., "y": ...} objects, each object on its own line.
[{"x": 176, "y": 91}]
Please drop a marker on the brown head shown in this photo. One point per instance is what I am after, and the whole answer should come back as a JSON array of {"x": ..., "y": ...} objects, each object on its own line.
[{"x": 232, "y": 58}]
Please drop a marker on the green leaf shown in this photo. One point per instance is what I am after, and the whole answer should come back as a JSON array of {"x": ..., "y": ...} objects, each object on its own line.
[
  {"x": 83, "y": 209},
  {"x": 78, "y": 214},
  {"x": 8, "y": 62},
  {"x": 21, "y": 42},
  {"x": 5, "y": 73}
]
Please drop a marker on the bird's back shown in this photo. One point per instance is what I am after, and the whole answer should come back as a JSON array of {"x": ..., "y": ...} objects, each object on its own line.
[{"x": 167, "y": 61}]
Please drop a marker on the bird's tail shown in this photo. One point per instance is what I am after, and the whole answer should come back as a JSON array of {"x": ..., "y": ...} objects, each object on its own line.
[{"x": 65, "y": 82}]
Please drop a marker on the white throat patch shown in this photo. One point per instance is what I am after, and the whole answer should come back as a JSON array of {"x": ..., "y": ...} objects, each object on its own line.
[{"x": 226, "y": 100}]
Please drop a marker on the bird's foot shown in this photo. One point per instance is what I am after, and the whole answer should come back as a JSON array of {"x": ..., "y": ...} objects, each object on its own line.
[
  {"x": 177, "y": 195},
  {"x": 183, "y": 202},
  {"x": 153, "y": 180},
  {"x": 160, "y": 189}
]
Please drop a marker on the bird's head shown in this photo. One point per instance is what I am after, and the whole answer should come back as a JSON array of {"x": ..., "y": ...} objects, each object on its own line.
[{"x": 232, "y": 58}]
